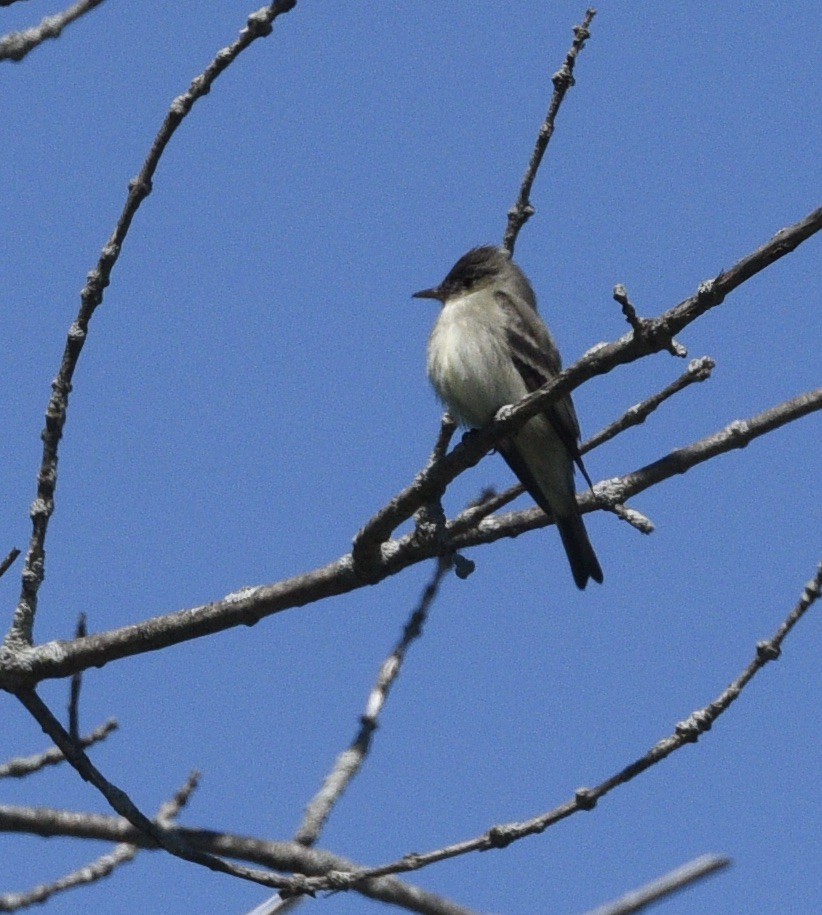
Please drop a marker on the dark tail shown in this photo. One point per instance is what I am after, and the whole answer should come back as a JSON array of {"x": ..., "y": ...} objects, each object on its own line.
[{"x": 581, "y": 555}]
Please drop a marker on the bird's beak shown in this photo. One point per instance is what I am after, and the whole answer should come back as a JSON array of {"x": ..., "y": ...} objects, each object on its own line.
[{"x": 434, "y": 293}]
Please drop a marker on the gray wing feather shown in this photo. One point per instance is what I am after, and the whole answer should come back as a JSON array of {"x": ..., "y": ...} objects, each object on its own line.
[{"x": 537, "y": 360}]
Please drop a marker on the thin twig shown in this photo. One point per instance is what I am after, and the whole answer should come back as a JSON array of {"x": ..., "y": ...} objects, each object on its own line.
[
  {"x": 351, "y": 760},
  {"x": 617, "y": 491},
  {"x": 258, "y": 25},
  {"x": 430, "y": 517},
  {"x": 171, "y": 809},
  {"x": 698, "y": 370},
  {"x": 16, "y": 45},
  {"x": 631, "y": 516},
  {"x": 667, "y": 885},
  {"x": 686, "y": 732},
  {"x": 621, "y": 296},
  {"x": 448, "y": 426},
  {"x": 563, "y": 79},
  {"x": 640, "y": 325},
  {"x": 470, "y": 518}
]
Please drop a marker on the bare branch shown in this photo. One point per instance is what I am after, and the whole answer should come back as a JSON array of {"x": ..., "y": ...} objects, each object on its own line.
[
  {"x": 563, "y": 79},
  {"x": 686, "y": 732},
  {"x": 285, "y": 856},
  {"x": 469, "y": 519},
  {"x": 448, "y": 426},
  {"x": 639, "y": 325},
  {"x": 26, "y": 765},
  {"x": 16, "y": 45},
  {"x": 631, "y": 516},
  {"x": 171, "y": 809},
  {"x": 621, "y": 296},
  {"x": 259, "y": 25},
  {"x": 430, "y": 520},
  {"x": 671, "y": 883},
  {"x": 471, "y": 516}
]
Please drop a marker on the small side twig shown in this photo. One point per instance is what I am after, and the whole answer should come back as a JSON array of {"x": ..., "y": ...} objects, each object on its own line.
[
  {"x": 667, "y": 885},
  {"x": 642, "y": 327},
  {"x": 631, "y": 516},
  {"x": 448, "y": 426},
  {"x": 470, "y": 517},
  {"x": 621, "y": 296},
  {"x": 366, "y": 550},
  {"x": 90, "y": 873},
  {"x": 16, "y": 45},
  {"x": 7, "y": 563},
  {"x": 76, "y": 685},
  {"x": 27, "y": 765},
  {"x": 171, "y": 809},
  {"x": 563, "y": 79},
  {"x": 698, "y": 370}
]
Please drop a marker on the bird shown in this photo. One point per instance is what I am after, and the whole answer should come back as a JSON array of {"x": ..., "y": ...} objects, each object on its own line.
[{"x": 489, "y": 347}]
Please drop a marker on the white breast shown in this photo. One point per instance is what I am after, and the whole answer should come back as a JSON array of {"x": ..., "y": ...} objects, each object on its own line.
[{"x": 468, "y": 361}]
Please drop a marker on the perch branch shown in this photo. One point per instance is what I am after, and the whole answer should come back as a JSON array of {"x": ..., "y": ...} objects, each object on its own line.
[{"x": 247, "y": 607}]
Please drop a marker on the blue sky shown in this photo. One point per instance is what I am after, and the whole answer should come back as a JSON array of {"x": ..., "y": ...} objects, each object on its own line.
[{"x": 253, "y": 390}]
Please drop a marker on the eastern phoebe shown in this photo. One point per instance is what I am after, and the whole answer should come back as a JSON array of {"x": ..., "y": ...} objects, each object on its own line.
[{"x": 490, "y": 348}]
